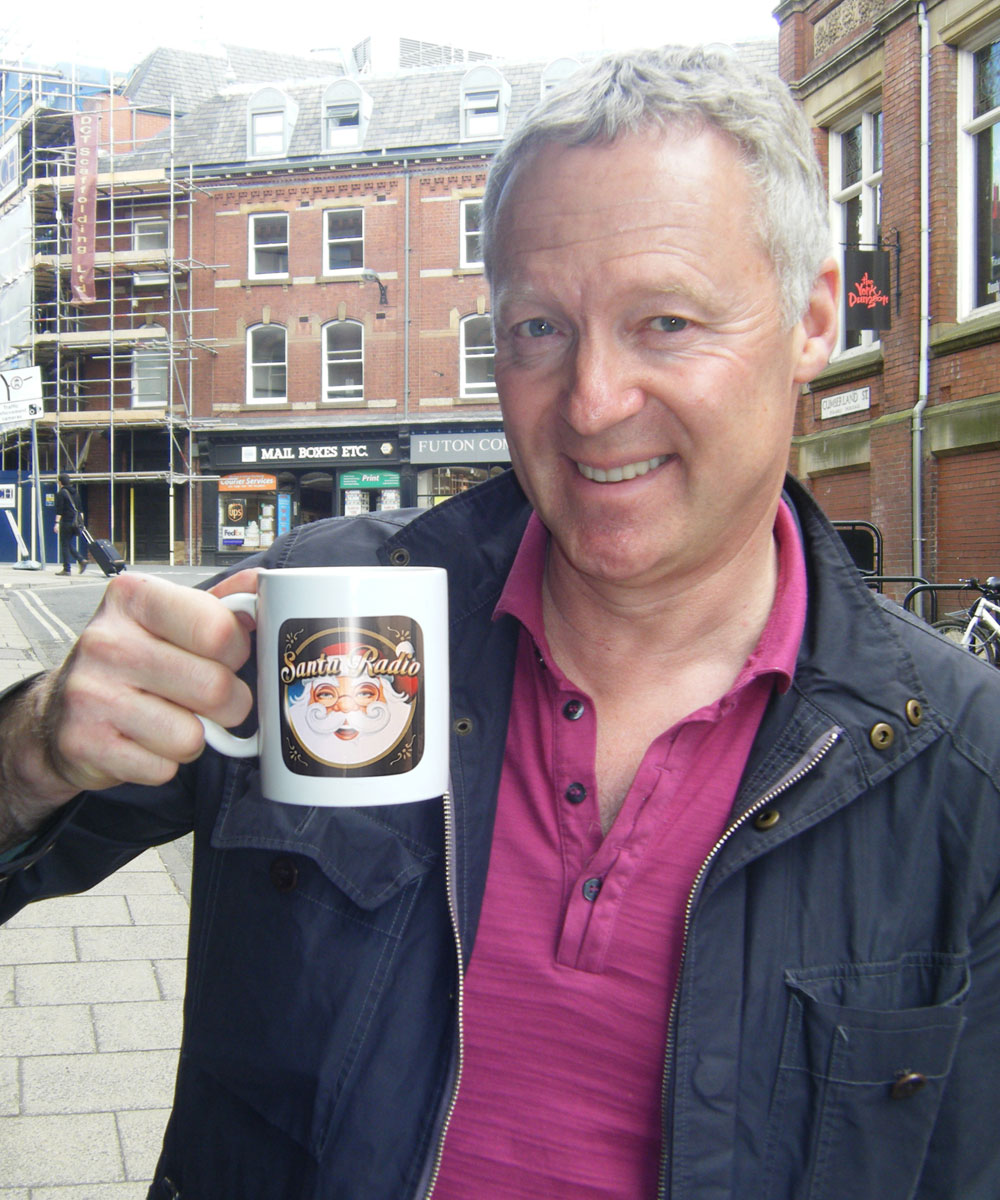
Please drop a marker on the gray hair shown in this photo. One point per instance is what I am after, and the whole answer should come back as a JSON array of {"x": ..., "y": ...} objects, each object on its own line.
[{"x": 683, "y": 87}]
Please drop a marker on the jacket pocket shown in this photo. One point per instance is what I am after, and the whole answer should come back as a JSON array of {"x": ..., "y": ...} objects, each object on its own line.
[
  {"x": 299, "y": 931},
  {"x": 865, "y": 1055}
]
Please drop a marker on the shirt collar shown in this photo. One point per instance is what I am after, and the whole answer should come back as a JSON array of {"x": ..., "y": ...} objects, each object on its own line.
[{"x": 776, "y": 650}]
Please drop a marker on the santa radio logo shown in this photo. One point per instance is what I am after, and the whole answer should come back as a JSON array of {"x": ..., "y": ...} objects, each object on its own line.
[{"x": 351, "y": 696}]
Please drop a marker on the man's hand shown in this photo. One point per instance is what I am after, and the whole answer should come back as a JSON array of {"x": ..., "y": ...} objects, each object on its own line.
[{"x": 121, "y": 708}]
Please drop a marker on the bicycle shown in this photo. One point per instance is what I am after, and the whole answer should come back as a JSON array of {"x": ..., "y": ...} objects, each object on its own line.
[{"x": 978, "y": 630}]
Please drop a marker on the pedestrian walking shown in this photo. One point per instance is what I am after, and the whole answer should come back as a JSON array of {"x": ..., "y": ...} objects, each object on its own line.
[{"x": 68, "y": 524}]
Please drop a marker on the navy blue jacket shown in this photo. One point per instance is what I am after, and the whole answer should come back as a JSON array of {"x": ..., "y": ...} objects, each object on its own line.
[{"x": 836, "y": 1028}]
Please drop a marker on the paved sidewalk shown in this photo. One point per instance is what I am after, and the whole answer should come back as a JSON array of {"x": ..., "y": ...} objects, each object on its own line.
[{"x": 90, "y": 1015}]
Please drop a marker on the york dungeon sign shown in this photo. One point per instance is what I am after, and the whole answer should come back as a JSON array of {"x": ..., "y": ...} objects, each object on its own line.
[{"x": 866, "y": 289}]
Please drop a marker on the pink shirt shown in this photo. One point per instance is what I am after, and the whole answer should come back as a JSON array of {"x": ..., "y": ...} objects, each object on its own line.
[{"x": 569, "y": 988}]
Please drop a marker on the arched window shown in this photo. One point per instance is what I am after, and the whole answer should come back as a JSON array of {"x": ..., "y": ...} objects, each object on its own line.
[
  {"x": 346, "y": 112},
  {"x": 267, "y": 364},
  {"x": 270, "y": 120},
  {"x": 476, "y": 350},
  {"x": 343, "y": 361},
  {"x": 485, "y": 102},
  {"x": 557, "y": 72}
]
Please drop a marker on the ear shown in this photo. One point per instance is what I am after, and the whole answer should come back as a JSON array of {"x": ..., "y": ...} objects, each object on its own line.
[{"x": 818, "y": 324}]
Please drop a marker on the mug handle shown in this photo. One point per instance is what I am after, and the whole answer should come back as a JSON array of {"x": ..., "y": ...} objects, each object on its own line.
[{"x": 218, "y": 738}]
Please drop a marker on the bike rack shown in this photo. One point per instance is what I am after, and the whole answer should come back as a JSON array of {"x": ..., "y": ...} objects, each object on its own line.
[
  {"x": 923, "y": 587},
  {"x": 876, "y": 581},
  {"x": 863, "y": 542}
]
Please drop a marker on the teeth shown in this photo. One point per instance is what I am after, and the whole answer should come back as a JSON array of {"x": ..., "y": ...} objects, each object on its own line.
[{"x": 617, "y": 474}]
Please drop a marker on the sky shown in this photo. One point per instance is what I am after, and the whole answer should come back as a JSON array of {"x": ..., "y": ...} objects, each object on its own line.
[{"x": 116, "y": 34}]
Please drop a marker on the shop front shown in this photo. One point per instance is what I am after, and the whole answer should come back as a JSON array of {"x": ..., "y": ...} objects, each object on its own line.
[
  {"x": 447, "y": 463},
  {"x": 268, "y": 485}
]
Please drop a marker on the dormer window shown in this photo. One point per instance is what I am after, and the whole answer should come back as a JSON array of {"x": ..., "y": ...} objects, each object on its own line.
[
  {"x": 346, "y": 111},
  {"x": 557, "y": 72},
  {"x": 270, "y": 120},
  {"x": 485, "y": 101}
]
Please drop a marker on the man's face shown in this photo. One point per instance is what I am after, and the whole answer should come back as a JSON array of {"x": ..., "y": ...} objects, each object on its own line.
[{"x": 647, "y": 384}]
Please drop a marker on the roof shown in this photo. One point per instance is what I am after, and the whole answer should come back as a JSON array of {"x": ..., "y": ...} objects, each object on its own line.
[
  {"x": 412, "y": 111},
  {"x": 188, "y": 78}
]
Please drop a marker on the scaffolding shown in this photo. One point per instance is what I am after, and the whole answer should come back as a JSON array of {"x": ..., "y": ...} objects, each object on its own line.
[{"x": 117, "y": 373}]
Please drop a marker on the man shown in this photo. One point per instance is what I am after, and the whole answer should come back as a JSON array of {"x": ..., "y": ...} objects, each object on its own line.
[
  {"x": 712, "y": 909},
  {"x": 68, "y": 522}
]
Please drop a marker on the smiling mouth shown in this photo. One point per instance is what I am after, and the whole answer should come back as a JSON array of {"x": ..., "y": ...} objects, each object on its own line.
[{"x": 617, "y": 474}]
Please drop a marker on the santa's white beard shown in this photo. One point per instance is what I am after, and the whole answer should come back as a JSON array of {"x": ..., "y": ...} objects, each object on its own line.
[{"x": 350, "y": 739}]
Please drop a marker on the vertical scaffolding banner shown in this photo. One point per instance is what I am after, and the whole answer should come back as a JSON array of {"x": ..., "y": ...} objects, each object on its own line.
[{"x": 85, "y": 129}]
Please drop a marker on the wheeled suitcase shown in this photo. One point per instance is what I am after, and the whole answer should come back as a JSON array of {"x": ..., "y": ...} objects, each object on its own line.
[{"x": 103, "y": 552}]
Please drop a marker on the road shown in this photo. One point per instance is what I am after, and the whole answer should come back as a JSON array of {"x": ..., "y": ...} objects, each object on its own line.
[{"x": 51, "y": 610}]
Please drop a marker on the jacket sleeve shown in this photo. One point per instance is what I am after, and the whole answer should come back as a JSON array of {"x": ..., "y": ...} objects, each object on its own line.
[
  {"x": 90, "y": 838},
  {"x": 963, "y": 1160}
]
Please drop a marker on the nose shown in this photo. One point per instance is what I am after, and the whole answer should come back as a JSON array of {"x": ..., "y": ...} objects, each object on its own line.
[
  {"x": 603, "y": 390},
  {"x": 345, "y": 704}
]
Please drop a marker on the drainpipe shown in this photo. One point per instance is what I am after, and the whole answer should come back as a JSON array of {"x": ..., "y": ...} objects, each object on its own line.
[{"x": 917, "y": 415}]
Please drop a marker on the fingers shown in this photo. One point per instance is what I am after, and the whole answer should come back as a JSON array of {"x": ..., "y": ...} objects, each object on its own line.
[{"x": 122, "y": 707}]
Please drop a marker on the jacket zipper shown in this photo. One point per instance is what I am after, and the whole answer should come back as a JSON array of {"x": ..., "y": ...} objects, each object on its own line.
[
  {"x": 451, "y": 888},
  {"x": 809, "y": 760}
]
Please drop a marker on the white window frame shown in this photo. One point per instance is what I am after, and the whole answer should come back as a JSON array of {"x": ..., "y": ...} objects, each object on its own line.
[
  {"x": 143, "y": 227},
  {"x": 344, "y": 98},
  {"x": 253, "y": 245},
  {"x": 328, "y": 217},
  {"x": 471, "y": 213},
  {"x": 150, "y": 364},
  {"x": 867, "y": 189},
  {"x": 270, "y": 121},
  {"x": 485, "y": 100},
  {"x": 969, "y": 128},
  {"x": 252, "y": 331},
  {"x": 470, "y": 390},
  {"x": 352, "y": 393}
]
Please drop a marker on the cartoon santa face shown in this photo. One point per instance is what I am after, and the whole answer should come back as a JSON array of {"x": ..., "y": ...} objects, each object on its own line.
[{"x": 349, "y": 720}]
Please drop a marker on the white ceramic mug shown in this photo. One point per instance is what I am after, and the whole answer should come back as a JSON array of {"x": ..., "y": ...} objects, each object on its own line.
[{"x": 352, "y": 685}]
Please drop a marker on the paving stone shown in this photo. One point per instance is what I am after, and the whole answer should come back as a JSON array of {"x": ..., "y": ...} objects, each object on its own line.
[
  {"x": 171, "y": 975},
  {"x": 20, "y": 946},
  {"x": 148, "y": 860},
  {"x": 49, "y": 1029},
  {"x": 141, "y": 1136},
  {"x": 107, "y": 1191},
  {"x": 96, "y": 1083},
  {"x": 10, "y": 1090},
  {"x": 149, "y": 1025},
  {"x": 73, "y": 910},
  {"x": 131, "y": 942},
  {"x": 159, "y": 910},
  {"x": 135, "y": 883},
  {"x": 85, "y": 983},
  {"x": 42, "y": 1151}
]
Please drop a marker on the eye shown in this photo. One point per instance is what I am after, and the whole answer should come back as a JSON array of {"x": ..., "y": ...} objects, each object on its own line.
[
  {"x": 668, "y": 324},
  {"x": 537, "y": 327}
]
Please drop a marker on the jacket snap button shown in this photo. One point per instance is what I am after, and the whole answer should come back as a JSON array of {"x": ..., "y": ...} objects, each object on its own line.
[
  {"x": 462, "y": 726},
  {"x": 882, "y": 735},
  {"x": 284, "y": 874},
  {"x": 399, "y": 557},
  {"x": 767, "y": 819},
  {"x": 907, "y": 1084},
  {"x": 914, "y": 712}
]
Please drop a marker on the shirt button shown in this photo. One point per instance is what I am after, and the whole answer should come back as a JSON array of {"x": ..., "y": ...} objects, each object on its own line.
[
  {"x": 591, "y": 888},
  {"x": 284, "y": 874},
  {"x": 573, "y": 710},
  {"x": 576, "y": 793}
]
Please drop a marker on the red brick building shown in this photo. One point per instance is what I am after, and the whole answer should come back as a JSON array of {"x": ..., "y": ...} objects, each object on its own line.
[{"x": 903, "y": 427}]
